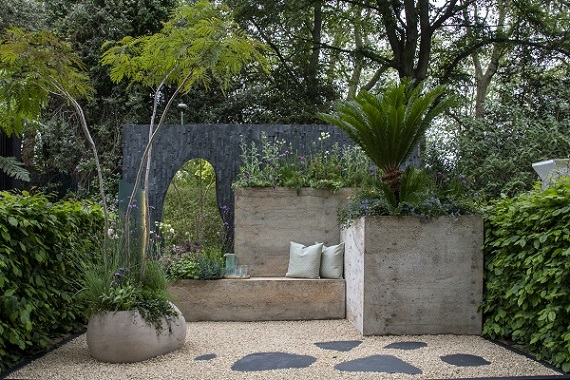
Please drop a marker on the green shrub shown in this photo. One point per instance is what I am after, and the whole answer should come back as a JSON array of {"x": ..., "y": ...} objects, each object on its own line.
[
  {"x": 44, "y": 247},
  {"x": 192, "y": 261},
  {"x": 527, "y": 266}
]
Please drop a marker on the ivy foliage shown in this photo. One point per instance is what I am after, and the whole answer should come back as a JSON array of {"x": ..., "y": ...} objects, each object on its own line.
[
  {"x": 527, "y": 266},
  {"x": 44, "y": 248}
]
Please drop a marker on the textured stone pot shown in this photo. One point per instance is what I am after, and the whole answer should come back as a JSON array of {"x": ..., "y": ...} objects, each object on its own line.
[
  {"x": 266, "y": 221},
  {"x": 407, "y": 276},
  {"x": 125, "y": 337}
]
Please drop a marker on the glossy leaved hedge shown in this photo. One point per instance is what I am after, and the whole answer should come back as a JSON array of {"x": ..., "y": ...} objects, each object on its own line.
[
  {"x": 43, "y": 249},
  {"x": 527, "y": 264}
]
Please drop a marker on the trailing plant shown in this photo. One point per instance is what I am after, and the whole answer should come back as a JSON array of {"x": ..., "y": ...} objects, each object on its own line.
[
  {"x": 45, "y": 248},
  {"x": 275, "y": 163},
  {"x": 527, "y": 268}
]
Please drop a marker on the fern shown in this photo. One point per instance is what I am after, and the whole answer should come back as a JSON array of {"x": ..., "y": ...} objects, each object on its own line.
[{"x": 14, "y": 168}]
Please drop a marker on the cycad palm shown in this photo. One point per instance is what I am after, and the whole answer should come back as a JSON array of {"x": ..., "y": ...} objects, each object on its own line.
[{"x": 388, "y": 127}]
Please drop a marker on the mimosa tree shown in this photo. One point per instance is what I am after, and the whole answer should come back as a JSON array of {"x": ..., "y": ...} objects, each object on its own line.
[{"x": 201, "y": 44}]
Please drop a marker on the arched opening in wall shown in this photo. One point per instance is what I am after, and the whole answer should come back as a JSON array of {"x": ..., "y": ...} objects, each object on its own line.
[{"x": 192, "y": 231}]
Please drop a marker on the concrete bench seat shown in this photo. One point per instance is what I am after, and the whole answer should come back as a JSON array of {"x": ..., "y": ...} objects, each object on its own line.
[
  {"x": 266, "y": 220},
  {"x": 260, "y": 299}
]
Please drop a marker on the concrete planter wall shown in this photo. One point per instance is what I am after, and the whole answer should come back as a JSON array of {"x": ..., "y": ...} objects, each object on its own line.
[
  {"x": 267, "y": 220},
  {"x": 125, "y": 337},
  {"x": 405, "y": 276}
]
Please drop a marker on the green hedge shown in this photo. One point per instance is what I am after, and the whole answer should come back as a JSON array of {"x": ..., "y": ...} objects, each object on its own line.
[
  {"x": 43, "y": 249},
  {"x": 527, "y": 292}
]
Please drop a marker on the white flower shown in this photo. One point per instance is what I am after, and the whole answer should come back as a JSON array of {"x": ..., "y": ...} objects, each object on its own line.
[
  {"x": 171, "y": 230},
  {"x": 110, "y": 232}
]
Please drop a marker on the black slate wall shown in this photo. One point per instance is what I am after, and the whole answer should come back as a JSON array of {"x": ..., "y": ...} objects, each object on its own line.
[{"x": 219, "y": 144}]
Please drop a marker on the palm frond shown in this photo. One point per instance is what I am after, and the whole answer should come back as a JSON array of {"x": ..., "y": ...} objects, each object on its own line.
[
  {"x": 14, "y": 168},
  {"x": 389, "y": 126}
]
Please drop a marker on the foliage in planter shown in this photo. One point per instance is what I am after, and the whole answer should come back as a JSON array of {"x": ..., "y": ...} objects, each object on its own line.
[
  {"x": 44, "y": 250},
  {"x": 111, "y": 287},
  {"x": 527, "y": 263},
  {"x": 389, "y": 127},
  {"x": 276, "y": 163},
  {"x": 423, "y": 194}
]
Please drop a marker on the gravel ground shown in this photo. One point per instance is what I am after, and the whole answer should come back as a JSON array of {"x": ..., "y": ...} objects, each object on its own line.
[{"x": 231, "y": 341}]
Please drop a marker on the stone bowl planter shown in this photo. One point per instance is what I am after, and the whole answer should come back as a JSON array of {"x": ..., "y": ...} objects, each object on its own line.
[{"x": 125, "y": 337}]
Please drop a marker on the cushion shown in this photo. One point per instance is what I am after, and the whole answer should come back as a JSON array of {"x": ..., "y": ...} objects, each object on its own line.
[
  {"x": 332, "y": 261},
  {"x": 304, "y": 262}
]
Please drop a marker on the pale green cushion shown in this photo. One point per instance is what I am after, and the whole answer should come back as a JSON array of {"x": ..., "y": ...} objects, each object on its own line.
[
  {"x": 304, "y": 262},
  {"x": 332, "y": 261}
]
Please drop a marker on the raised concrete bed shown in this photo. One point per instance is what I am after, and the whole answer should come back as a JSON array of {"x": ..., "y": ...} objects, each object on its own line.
[
  {"x": 260, "y": 299},
  {"x": 267, "y": 220},
  {"x": 405, "y": 276}
]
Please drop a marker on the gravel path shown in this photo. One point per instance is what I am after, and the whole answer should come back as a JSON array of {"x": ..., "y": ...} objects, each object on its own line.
[{"x": 231, "y": 341}]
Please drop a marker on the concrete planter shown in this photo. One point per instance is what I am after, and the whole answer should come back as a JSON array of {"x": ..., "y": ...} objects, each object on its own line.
[
  {"x": 125, "y": 337},
  {"x": 405, "y": 276},
  {"x": 267, "y": 220}
]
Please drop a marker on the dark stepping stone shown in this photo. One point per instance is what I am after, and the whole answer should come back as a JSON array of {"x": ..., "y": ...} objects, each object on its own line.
[
  {"x": 341, "y": 345},
  {"x": 465, "y": 360},
  {"x": 406, "y": 345},
  {"x": 205, "y": 357},
  {"x": 379, "y": 363},
  {"x": 265, "y": 361}
]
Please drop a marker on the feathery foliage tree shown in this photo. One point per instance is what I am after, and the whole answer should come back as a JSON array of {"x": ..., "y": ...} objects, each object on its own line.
[
  {"x": 200, "y": 44},
  {"x": 35, "y": 66}
]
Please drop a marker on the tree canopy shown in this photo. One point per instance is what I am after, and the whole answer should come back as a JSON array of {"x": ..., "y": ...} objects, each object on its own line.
[{"x": 319, "y": 52}]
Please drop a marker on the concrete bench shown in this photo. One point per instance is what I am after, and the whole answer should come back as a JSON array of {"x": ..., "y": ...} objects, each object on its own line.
[
  {"x": 266, "y": 221},
  {"x": 260, "y": 299}
]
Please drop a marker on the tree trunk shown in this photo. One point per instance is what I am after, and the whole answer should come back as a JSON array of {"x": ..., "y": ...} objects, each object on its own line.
[
  {"x": 483, "y": 78},
  {"x": 313, "y": 69}
]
